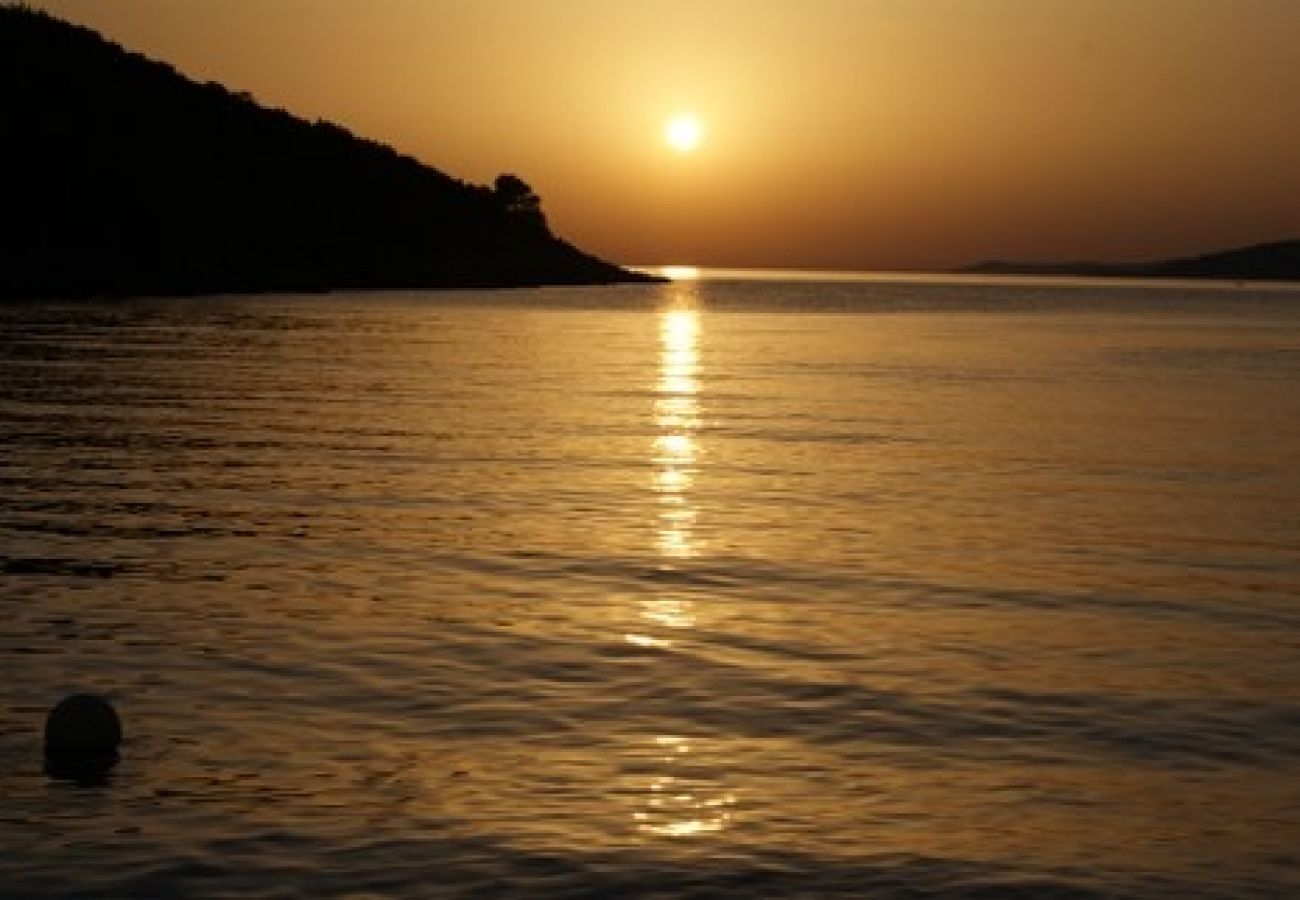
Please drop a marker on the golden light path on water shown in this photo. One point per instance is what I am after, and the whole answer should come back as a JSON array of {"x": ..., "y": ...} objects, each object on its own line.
[
  {"x": 676, "y": 418},
  {"x": 675, "y": 806}
]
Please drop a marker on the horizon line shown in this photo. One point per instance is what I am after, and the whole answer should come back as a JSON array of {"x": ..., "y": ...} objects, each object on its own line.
[{"x": 682, "y": 272}]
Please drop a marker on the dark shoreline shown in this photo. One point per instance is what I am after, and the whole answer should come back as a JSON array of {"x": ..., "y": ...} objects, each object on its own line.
[{"x": 189, "y": 292}]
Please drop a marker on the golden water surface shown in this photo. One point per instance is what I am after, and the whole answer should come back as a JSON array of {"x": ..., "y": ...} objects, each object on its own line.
[{"x": 709, "y": 587}]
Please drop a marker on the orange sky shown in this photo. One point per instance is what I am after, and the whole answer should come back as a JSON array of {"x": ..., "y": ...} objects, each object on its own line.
[{"x": 853, "y": 134}]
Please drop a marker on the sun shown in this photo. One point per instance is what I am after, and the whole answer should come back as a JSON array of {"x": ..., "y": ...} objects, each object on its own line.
[{"x": 683, "y": 133}]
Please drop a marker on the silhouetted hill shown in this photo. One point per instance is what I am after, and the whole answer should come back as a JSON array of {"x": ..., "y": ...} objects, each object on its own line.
[
  {"x": 120, "y": 176},
  {"x": 1277, "y": 261}
]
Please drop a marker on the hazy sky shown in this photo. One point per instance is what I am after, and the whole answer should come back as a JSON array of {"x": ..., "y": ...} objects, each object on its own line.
[{"x": 865, "y": 134}]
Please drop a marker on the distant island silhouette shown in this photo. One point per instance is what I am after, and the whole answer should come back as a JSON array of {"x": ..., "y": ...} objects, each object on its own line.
[
  {"x": 119, "y": 176},
  {"x": 1274, "y": 261}
]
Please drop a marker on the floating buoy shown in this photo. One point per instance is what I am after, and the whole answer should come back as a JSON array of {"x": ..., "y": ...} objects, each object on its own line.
[{"x": 82, "y": 734}]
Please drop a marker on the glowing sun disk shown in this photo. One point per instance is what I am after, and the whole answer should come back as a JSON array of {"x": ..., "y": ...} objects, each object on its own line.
[{"x": 683, "y": 133}]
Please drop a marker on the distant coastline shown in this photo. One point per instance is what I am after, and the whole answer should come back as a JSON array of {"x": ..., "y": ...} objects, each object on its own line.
[
  {"x": 122, "y": 177},
  {"x": 1273, "y": 261}
]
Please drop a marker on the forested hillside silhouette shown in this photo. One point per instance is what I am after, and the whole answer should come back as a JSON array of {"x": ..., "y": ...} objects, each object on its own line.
[{"x": 120, "y": 176}]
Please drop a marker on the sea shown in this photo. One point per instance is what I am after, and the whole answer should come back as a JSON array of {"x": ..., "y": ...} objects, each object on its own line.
[{"x": 742, "y": 585}]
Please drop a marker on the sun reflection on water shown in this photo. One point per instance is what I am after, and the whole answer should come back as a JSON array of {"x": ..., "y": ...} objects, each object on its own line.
[
  {"x": 675, "y": 802},
  {"x": 678, "y": 806},
  {"x": 676, "y": 419}
]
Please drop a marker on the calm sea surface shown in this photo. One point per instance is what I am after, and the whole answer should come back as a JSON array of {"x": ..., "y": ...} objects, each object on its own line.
[{"x": 728, "y": 588}]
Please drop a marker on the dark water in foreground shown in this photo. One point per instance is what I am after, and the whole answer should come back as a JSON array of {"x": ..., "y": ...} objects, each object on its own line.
[{"x": 927, "y": 590}]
